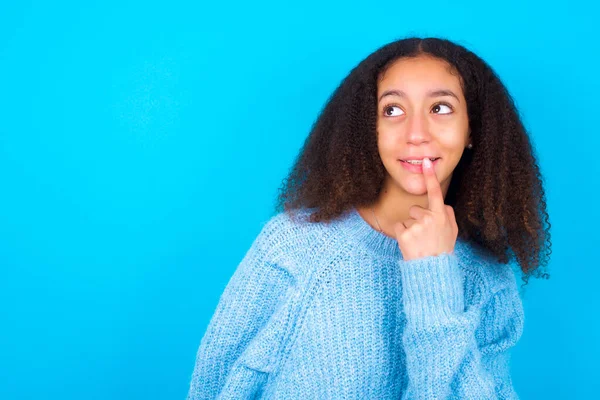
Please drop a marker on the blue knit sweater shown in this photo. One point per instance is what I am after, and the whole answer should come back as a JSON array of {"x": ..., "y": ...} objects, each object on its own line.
[{"x": 332, "y": 311}]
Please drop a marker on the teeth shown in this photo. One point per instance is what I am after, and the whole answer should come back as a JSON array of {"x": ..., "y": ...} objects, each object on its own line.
[{"x": 419, "y": 162}]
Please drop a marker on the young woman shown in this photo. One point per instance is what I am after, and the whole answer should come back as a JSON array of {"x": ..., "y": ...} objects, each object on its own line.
[{"x": 387, "y": 275}]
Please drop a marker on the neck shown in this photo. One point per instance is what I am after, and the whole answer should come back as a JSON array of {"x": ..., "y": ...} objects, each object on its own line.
[{"x": 394, "y": 203}]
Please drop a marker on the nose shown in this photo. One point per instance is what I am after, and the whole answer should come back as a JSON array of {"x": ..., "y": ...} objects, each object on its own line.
[{"x": 417, "y": 129}]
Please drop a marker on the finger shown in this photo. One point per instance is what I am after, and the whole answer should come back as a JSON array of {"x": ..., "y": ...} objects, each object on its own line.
[
  {"x": 435, "y": 195},
  {"x": 409, "y": 222},
  {"x": 416, "y": 211},
  {"x": 399, "y": 228},
  {"x": 452, "y": 216},
  {"x": 450, "y": 212}
]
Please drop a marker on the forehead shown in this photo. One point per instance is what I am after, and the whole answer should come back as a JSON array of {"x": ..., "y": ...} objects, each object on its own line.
[{"x": 419, "y": 74}]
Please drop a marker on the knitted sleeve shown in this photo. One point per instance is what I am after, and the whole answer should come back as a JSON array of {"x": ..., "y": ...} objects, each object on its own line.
[
  {"x": 453, "y": 352},
  {"x": 243, "y": 328}
]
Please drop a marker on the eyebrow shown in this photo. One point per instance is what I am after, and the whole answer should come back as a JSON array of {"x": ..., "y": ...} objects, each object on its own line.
[{"x": 433, "y": 93}]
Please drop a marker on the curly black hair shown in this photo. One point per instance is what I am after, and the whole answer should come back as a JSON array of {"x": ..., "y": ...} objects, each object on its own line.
[{"x": 496, "y": 189}]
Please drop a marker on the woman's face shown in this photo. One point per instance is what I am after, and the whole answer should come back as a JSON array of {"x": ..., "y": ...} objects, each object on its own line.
[{"x": 421, "y": 112}]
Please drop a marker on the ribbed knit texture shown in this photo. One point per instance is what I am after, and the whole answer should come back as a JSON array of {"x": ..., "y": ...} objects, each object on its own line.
[{"x": 332, "y": 311}]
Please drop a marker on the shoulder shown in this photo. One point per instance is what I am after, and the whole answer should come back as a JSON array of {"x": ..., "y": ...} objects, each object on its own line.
[{"x": 292, "y": 241}]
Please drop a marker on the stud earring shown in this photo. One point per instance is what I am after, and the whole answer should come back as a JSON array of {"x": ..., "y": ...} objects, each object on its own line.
[{"x": 470, "y": 146}]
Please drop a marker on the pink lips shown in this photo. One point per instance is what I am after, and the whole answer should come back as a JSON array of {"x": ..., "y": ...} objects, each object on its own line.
[{"x": 416, "y": 168}]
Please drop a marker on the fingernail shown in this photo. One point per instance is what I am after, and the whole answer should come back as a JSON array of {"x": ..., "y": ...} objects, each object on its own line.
[{"x": 426, "y": 162}]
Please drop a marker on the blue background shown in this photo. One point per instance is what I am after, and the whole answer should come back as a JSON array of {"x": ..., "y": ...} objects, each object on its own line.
[{"x": 142, "y": 145}]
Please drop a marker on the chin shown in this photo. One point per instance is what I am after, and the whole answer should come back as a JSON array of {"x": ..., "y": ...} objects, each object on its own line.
[
  {"x": 412, "y": 184},
  {"x": 413, "y": 187}
]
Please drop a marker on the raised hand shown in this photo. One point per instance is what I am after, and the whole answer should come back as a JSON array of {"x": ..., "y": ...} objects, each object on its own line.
[{"x": 430, "y": 231}]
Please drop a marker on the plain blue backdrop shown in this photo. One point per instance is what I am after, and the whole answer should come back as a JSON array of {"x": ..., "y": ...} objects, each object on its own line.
[{"x": 142, "y": 144}]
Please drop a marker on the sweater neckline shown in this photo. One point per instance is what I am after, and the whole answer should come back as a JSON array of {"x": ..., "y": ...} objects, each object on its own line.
[
  {"x": 365, "y": 234},
  {"x": 378, "y": 242}
]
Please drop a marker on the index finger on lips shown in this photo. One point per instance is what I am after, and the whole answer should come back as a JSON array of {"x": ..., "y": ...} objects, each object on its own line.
[{"x": 434, "y": 190}]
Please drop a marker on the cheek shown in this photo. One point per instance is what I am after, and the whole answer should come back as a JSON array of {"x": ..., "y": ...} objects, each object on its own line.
[
  {"x": 452, "y": 139},
  {"x": 451, "y": 143},
  {"x": 386, "y": 142}
]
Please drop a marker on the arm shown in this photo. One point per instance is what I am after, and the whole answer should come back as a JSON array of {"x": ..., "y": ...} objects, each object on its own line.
[
  {"x": 447, "y": 356},
  {"x": 246, "y": 308}
]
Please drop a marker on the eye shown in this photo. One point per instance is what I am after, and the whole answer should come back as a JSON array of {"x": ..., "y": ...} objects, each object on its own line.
[
  {"x": 390, "y": 108},
  {"x": 440, "y": 106}
]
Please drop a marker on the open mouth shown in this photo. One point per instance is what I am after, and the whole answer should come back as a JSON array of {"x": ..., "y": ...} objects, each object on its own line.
[
  {"x": 418, "y": 162},
  {"x": 417, "y": 165}
]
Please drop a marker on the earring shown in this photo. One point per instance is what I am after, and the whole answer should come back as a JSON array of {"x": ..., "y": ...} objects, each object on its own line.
[{"x": 470, "y": 146}]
